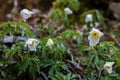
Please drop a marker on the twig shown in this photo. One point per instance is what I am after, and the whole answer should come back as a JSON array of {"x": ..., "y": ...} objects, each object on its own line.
[{"x": 44, "y": 75}]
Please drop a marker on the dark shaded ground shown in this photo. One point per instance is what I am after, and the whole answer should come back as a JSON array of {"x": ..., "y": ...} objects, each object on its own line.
[
  {"x": 45, "y": 5},
  {"x": 14, "y": 6}
]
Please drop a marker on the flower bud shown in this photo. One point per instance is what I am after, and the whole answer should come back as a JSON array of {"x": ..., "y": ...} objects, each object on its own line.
[{"x": 25, "y": 14}]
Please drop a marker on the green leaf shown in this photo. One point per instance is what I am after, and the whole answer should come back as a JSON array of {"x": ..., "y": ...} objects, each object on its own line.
[{"x": 17, "y": 25}]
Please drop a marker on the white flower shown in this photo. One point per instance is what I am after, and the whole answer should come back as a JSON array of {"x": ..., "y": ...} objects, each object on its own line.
[
  {"x": 94, "y": 37},
  {"x": 25, "y": 14},
  {"x": 68, "y": 11},
  {"x": 31, "y": 44},
  {"x": 108, "y": 66},
  {"x": 50, "y": 43},
  {"x": 89, "y": 18}
]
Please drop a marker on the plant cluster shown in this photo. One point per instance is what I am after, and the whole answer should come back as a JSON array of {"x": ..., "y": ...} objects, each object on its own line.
[{"x": 69, "y": 54}]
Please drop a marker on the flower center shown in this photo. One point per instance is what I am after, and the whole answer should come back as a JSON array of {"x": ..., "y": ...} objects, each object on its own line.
[
  {"x": 32, "y": 43},
  {"x": 107, "y": 67},
  {"x": 95, "y": 35}
]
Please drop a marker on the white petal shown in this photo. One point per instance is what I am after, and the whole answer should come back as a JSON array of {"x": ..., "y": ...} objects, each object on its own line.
[
  {"x": 68, "y": 11},
  {"x": 29, "y": 42},
  {"x": 101, "y": 34},
  {"x": 89, "y": 37},
  {"x": 97, "y": 24},
  {"x": 89, "y": 18},
  {"x": 94, "y": 42},
  {"x": 25, "y": 14},
  {"x": 49, "y": 42},
  {"x": 109, "y": 70},
  {"x": 32, "y": 48},
  {"x": 110, "y": 63},
  {"x": 97, "y": 30}
]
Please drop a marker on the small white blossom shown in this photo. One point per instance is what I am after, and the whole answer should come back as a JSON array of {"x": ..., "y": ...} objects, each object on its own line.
[
  {"x": 97, "y": 24},
  {"x": 25, "y": 14},
  {"x": 31, "y": 44},
  {"x": 108, "y": 66},
  {"x": 89, "y": 18},
  {"x": 68, "y": 11},
  {"x": 50, "y": 43},
  {"x": 94, "y": 37}
]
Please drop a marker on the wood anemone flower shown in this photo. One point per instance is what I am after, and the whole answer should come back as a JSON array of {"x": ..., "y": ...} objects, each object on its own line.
[
  {"x": 25, "y": 14},
  {"x": 89, "y": 18},
  {"x": 31, "y": 44},
  {"x": 68, "y": 11},
  {"x": 108, "y": 66},
  {"x": 94, "y": 37},
  {"x": 50, "y": 43}
]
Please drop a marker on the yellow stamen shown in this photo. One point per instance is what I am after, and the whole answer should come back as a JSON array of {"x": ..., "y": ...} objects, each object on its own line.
[
  {"x": 95, "y": 34},
  {"x": 32, "y": 44},
  {"x": 107, "y": 67}
]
